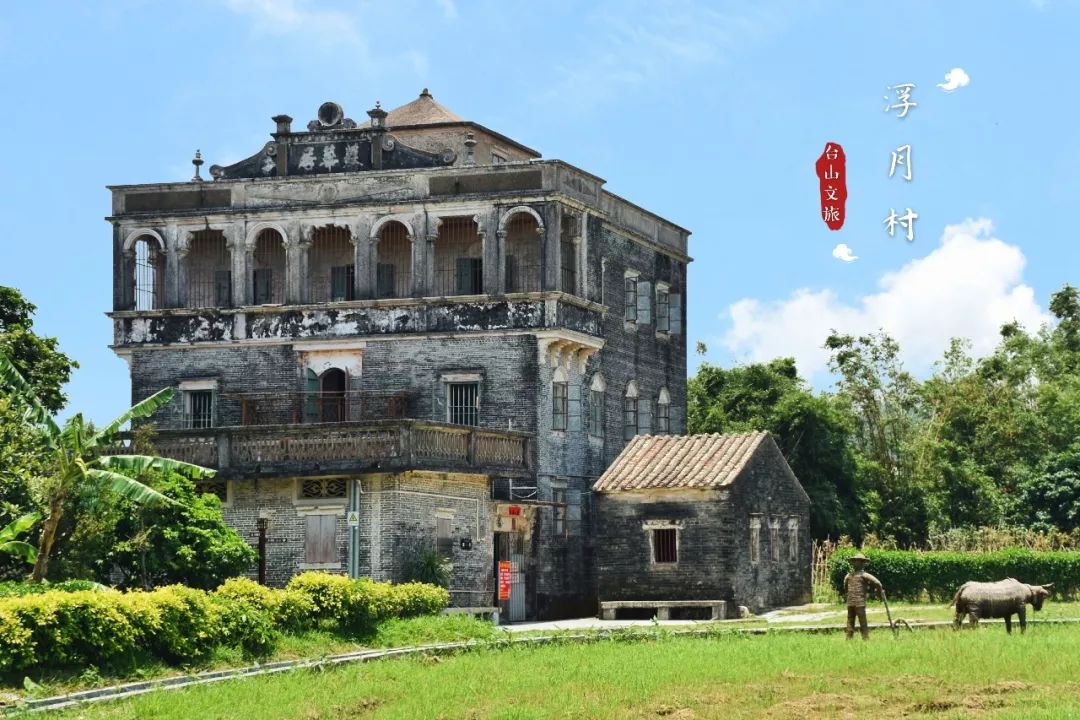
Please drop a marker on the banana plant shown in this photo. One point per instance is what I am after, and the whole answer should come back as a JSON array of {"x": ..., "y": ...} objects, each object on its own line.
[
  {"x": 79, "y": 454},
  {"x": 9, "y": 542}
]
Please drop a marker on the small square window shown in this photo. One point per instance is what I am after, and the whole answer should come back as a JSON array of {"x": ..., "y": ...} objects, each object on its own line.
[
  {"x": 199, "y": 409},
  {"x": 463, "y": 403},
  {"x": 665, "y": 544}
]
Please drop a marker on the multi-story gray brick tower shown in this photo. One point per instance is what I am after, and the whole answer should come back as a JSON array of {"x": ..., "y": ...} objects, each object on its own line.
[{"x": 404, "y": 336}]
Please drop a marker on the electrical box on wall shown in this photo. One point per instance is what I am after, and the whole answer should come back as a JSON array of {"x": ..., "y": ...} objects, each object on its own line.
[{"x": 466, "y": 543}]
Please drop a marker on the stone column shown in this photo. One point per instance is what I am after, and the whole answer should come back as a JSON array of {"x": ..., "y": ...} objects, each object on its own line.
[
  {"x": 236, "y": 241},
  {"x": 486, "y": 225},
  {"x": 292, "y": 262},
  {"x": 552, "y": 254},
  {"x": 172, "y": 266},
  {"x": 183, "y": 245},
  {"x": 307, "y": 233},
  {"x": 500, "y": 262},
  {"x": 426, "y": 260},
  {"x": 363, "y": 264}
]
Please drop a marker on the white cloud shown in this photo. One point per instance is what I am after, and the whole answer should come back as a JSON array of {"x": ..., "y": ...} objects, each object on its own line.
[
  {"x": 968, "y": 287},
  {"x": 301, "y": 19},
  {"x": 448, "y": 7},
  {"x": 955, "y": 78},
  {"x": 634, "y": 46},
  {"x": 843, "y": 252}
]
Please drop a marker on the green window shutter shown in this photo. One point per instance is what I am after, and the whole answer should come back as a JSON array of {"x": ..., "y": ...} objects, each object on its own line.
[
  {"x": 630, "y": 299},
  {"x": 675, "y": 313},
  {"x": 511, "y": 274},
  {"x": 574, "y": 405},
  {"x": 262, "y": 282},
  {"x": 644, "y": 302},
  {"x": 339, "y": 282},
  {"x": 384, "y": 280},
  {"x": 645, "y": 409},
  {"x": 468, "y": 276},
  {"x": 311, "y": 396},
  {"x": 222, "y": 288}
]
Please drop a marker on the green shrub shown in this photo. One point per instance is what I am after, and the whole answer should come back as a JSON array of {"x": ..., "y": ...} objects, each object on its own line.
[
  {"x": 189, "y": 628},
  {"x": 413, "y": 599},
  {"x": 244, "y": 624},
  {"x": 328, "y": 593},
  {"x": 912, "y": 575},
  {"x": 288, "y": 610},
  {"x": 14, "y": 588}
]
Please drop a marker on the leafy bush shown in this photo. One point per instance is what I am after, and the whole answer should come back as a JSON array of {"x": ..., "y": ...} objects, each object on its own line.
[
  {"x": 911, "y": 574},
  {"x": 15, "y": 589},
  {"x": 430, "y": 567},
  {"x": 183, "y": 626}
]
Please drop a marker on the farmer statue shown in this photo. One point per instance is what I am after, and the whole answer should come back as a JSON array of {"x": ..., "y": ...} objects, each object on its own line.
[{"x": 856, "y": 584}]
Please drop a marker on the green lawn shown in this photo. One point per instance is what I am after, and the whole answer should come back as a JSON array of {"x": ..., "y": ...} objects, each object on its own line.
[{"x": 936, "y": 673}]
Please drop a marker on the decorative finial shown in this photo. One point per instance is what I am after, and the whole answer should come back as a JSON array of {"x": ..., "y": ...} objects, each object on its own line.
[
  {"x": 470, "y": 143},
  {"x": 378, "y": 104},
  {"x": 425, "y": 93},
  {"x": 197, "y": 161}
]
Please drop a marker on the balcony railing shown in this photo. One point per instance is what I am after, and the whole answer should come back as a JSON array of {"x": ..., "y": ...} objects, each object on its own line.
[
  {"x": 311, "y": 407},
  {"x": 386, "y": 445}
]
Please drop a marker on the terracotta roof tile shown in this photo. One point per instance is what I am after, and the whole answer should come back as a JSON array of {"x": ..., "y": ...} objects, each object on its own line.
[{"x": 670, "y": 461}]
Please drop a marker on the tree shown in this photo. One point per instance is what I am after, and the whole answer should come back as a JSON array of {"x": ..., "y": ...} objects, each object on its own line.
[
  {"x": 74, "y": 456},
  {"x": 186, "y": 541},
  {"x": 9, "y": 538},
  {"x": 1050, "y": 497},
  {"x": 885, "y": 402},
  {"x": 36, "y": 358},
  {"x": 811, "y": 430}
]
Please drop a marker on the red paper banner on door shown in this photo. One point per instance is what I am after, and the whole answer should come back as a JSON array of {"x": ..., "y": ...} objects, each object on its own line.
[
  {"x": 504, "y": 580},
  {"x": 832, "y": 182}
]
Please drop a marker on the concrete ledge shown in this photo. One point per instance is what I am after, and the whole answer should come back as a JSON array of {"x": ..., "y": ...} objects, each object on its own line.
[{"x": 663, "y": 607}]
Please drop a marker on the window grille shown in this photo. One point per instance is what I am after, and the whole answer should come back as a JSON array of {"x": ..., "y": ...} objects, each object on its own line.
[
  {"x": 209, "y": 279},
  {"x": 322, "y": 488},
  {"x": 458, "y": 264},
  {"x": 596, "y": 413},
  {"x": 444, "y": 541},
  {"x": 463, "y": 403},
  {"x": 200, "y": 409},
  {"x": 268, "y": 271},
  {"x": 393, "y": 270},
  {"x": 149, "y": 267},
  {"x": 665, "y": 545},
  {"x": 331, "y": 269},
  {"x": 560, "y": 410},
  {"x": 663, "y": 310},
  {"x": 630, "y": 301},
  {"x": 523, "y": 254}
]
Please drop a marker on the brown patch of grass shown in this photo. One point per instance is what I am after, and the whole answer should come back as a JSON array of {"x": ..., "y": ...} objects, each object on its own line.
[{"x": 830, "y": 705}]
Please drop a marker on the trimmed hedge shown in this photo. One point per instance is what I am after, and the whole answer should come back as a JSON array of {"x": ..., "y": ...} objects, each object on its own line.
[
  {"x": 183, "y": 626},
  {"x": 912, "y": 575},
  {"x": 14, "y": 588}
]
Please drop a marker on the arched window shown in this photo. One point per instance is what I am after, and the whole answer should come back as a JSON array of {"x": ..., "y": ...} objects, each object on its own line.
[
  {"x": 268, "y": 268},
  {"x": 662, "y": 416},
  {"x": 326, "y": 396},
  {"x": 459, "y": 267},
  {"x": 597, "y": 402},
  {"x": 560, "y": 401},
  {"x": 522, "y": 250},
  {"x": 209, "y": 274},
  {"x": 630, "y": 411},
  {"x": 393, "y": 262},
  {"x": 149, "y": 286},
  {"x": 332, "y": 271}
]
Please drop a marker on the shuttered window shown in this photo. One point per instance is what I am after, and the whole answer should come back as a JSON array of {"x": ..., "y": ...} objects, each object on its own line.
[
  {"x": 560, "y": 409},
  {"x": 663, "y": 310},
  {"x": 341, "y": 283},
  {"x": 596, "y": 413},
  {"x": 755, "y": 540},
  {"x": 558, "y": 511},
  {"x": 793, "y": 539},
  {"x": 384, "y": 280},
  {"x": 630, "y": 299},
  {"x": 665, "y": 542},
  {"x": 774, "y": 539},
  {"x": 263, "y": 279},
  {"x": 320, "y": 539}
]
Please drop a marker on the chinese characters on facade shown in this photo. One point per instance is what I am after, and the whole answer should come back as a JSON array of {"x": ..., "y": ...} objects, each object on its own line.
[
  {"x": 900, "y": 165},
  {"x": 832, "y": 183}
]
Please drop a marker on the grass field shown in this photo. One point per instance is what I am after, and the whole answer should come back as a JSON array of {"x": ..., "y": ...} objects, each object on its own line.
[{"x": 936, "y": 674}]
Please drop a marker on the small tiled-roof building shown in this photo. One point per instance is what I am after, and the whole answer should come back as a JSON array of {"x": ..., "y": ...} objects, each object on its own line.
[{"x": 703, "y": 517}]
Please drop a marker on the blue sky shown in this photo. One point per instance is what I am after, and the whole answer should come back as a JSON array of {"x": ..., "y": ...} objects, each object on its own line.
[{"x": 711, "y": 114}]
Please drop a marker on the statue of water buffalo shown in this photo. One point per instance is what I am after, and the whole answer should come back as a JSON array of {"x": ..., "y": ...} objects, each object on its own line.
[{"x": 1001, "y": 599}]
